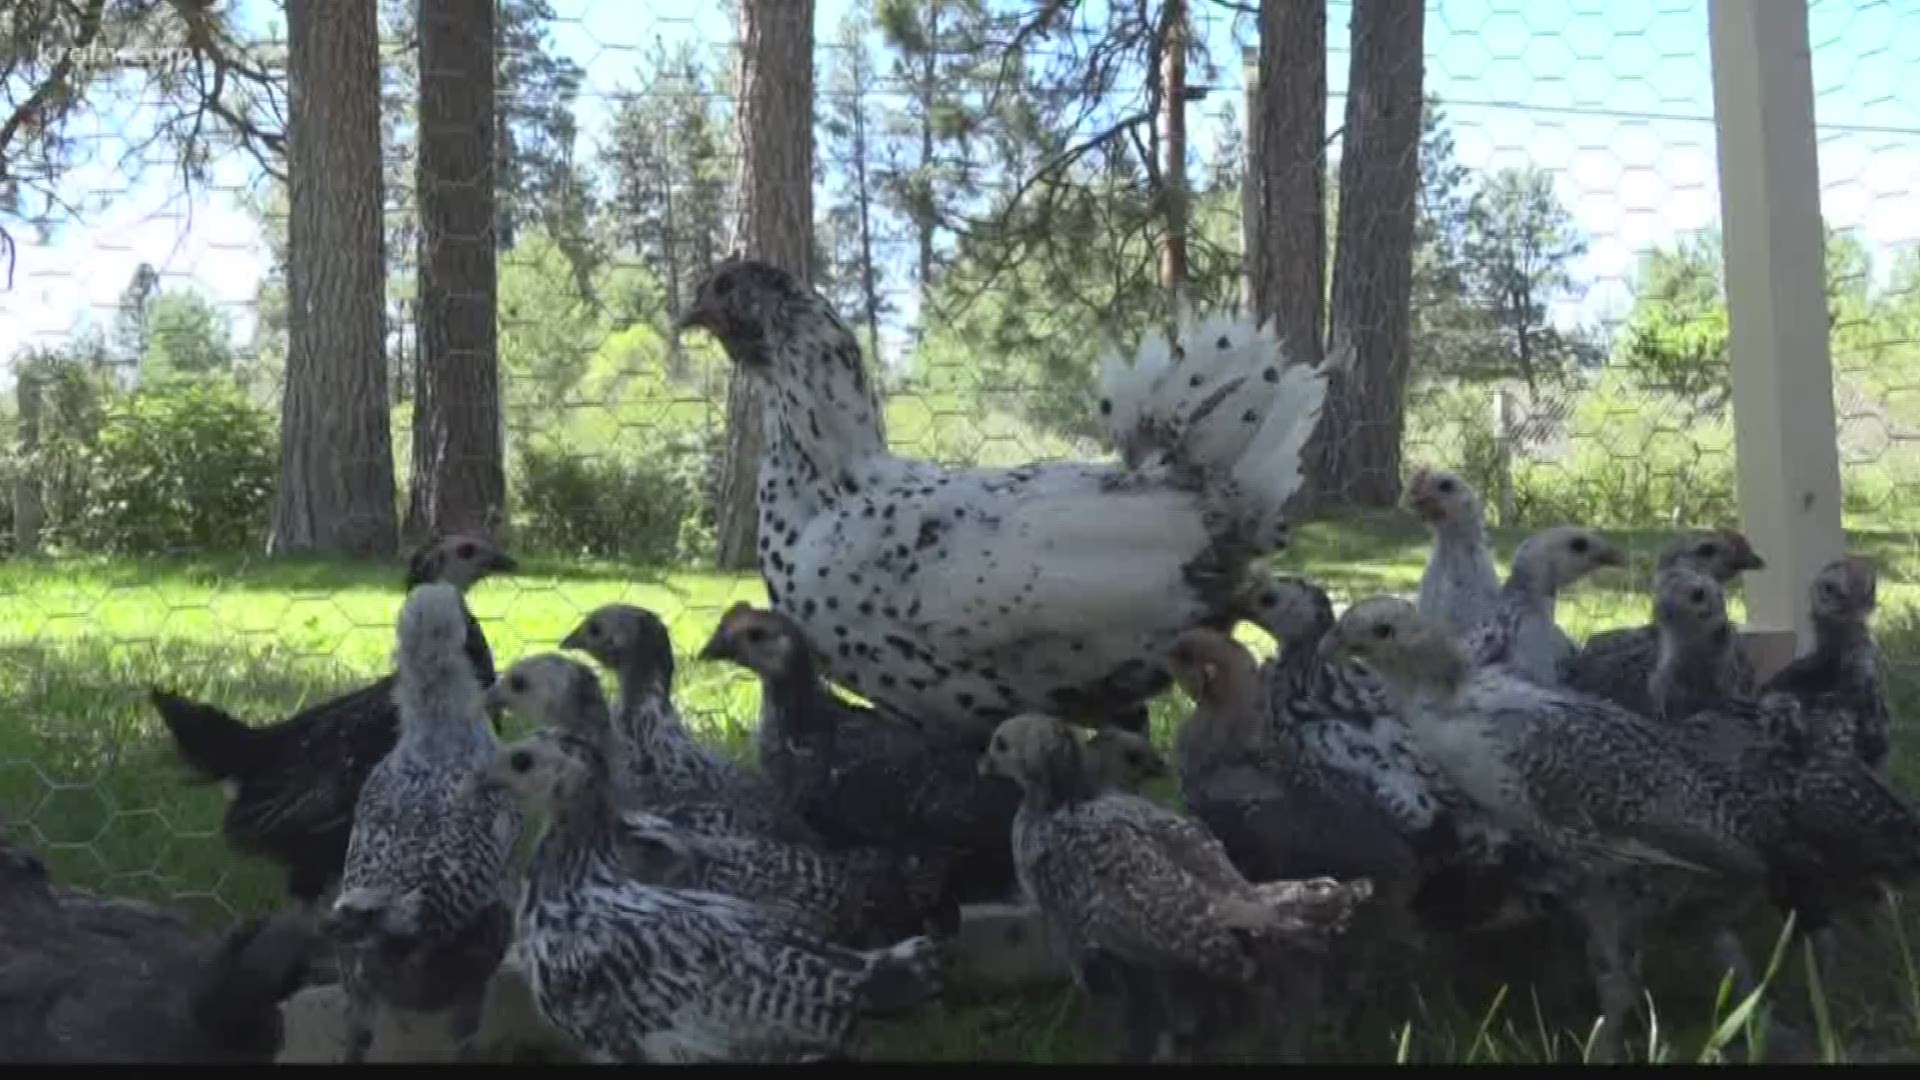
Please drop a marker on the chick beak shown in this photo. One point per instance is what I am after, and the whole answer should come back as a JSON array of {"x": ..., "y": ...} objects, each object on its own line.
[
  {"x": 1752, "y": 561},
  {"x": 1332, "y": 648},
  {"x": 1608, "y": 555},
  {"x": 985, "y": 765},
  {"x": 577, "y": 640},
  {"x": 502, "y": 563},
  {"x": 696, "y": 316},
  {"x": 718, "y": 647},
  {"x": 494, "y": 701},
  {"x": 1157, "y": 768}
]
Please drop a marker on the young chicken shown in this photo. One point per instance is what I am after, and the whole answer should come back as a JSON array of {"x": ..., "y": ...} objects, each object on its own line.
[
  {"x": 640, "y": 973},
  {"x": 1460, "y": 587},
  {"x": 655, "y": 759},
  {"x": 981, "y": 592},
  {"x": 1143, "y": 900},
  {"x": 1608, "y": 792},
  {"x": 1615, "y": 664},
  {"x": 423, "y": 915},
  {"x": 1841, "y": 676},
  {"x": 1521, "y": 633},
  {"x": 1695, "y": 668},
  {"x": 850, "y": 897},
  {"x": 291, "y": 786},
  {"x": 860, "y": 777}
]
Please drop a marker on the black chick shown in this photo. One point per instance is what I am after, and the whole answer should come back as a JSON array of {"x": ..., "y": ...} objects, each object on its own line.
[
  {"x": 292, "y": 785},
  {"x": 95, "y": 979},
  {"x": 861, "y": 778}
]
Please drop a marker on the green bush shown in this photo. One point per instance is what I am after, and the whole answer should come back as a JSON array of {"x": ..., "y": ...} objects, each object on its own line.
[
  {"x": 646, "y": 509},
  {"x": 185, "y": 463}
]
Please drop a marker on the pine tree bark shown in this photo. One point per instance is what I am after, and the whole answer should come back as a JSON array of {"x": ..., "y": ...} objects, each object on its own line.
[
  {"x": 1358, "y": 460},
  {"x": 459, "y": 480},
  {"x": 1173, "y": 131},
  {"x": 1286, "y": 217},
  {"x": 775, "y": 224},
  {"x": 336, "y": 493}
]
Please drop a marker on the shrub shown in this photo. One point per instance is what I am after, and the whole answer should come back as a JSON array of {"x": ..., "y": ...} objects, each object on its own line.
[
  {"x": 646, "y": 509},
  {"x": 185, "y": 463}
]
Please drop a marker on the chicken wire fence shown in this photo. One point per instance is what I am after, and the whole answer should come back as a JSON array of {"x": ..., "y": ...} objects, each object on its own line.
[{"x": 1001, "y": 191}]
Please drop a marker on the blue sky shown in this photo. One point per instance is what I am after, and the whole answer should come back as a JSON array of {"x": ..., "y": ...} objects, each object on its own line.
[{"x": 1613, "y": 96}]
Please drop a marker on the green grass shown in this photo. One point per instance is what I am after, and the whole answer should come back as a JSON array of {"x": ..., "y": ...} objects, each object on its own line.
[{"x": 88, "y": 778}]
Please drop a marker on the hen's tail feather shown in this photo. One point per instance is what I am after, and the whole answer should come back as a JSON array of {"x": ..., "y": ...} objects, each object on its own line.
[
  {"x": 903, "y": 977},
  {"x": 211, "y": 741},
  {"x": 1219, "y": 402}
]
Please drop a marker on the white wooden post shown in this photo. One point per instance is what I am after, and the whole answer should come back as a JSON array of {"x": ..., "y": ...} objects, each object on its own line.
[{"x": 1784, "y": 428}]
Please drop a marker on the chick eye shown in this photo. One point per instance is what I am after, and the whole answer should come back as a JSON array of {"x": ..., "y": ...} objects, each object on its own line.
[
  {"x": 722, "y": 286},
  {"x": 1579, "y": 545},
  {"x": 756, "y": 635},
  {"x": 1135, "y": 757},
  {"x": 520, "y": 762},
  {"x": 1383, "y": 631},
  {"x": 1000, "y": 743},
  {"x": 464, "y": 551},
  {"x": 1445, "y": 487},
  {"x": 517, "y": 683},
  {"x": 1704, "y": 551},
  {"x": 1699, "y": 596},
  {"x": 593, "y": 629}
]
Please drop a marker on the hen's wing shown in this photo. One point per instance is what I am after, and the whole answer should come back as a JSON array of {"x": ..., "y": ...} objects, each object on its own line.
[{"x": 1066, "y": 550}]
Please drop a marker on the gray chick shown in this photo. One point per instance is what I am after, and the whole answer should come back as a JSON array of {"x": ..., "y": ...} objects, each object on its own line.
[
  {"x": 423, "y": 916},
  {"x": 1521, "y": 634}
]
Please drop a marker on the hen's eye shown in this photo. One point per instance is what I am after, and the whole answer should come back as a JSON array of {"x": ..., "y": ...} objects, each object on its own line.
[
  {"x": 1699, "y": 596},
  {"x": 520, "y": 762},
  {"x": 1579, "y": 545},
  {"x": 756, "y": 635},
  {"x": 465, "y": 551},
  {"x": 593, "y": 629},
  {"x": 1704, "y": 551},
  {"x": 1135, "y": 757},
  {"x": 1445, "y": 487},
  {"x": 723, "y": 286},
  {"x": 1383, "y": 631},
  {"x": 517, "y": 683}
]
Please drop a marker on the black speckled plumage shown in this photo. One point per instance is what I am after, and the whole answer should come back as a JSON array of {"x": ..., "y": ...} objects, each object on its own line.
[
  {"x": 1143, "y": 897},
  {"x": 657, "y": 763},
  {"x": 1615, "y": 664},
  {"x": 1840, "y": 678},
  {"x": 641, "y": 973},
  {"x": 292, "y": 785},
  {"x": 863, "y": 778},
  {"x": 423, "y": 915}
]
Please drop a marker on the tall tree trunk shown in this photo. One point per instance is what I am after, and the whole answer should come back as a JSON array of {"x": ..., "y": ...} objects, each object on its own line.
[
  {"x": 459, "y": 481},
  {"x": 869, "y": 288},
  {"x": 1173, "y": 130},
  {"x": 1359, "y": 461},
  {"x": 336, "y": 491},
  {"x": 776, "y": 223},
  {"x": 1286, "y": 219},
  {"x": 929, "y": 94}
]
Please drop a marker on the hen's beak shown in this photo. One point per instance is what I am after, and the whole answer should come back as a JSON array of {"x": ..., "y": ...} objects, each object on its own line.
[
  {"x": 576, "y": 640},
  {"x": 718, "y": 647}
]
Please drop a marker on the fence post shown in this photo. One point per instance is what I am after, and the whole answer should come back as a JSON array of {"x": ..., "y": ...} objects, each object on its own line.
[{"x": 1785, "y": 436}]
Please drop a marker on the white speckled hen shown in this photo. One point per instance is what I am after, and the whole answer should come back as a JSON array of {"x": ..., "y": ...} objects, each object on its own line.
[
  {"x": 1460, "y": 587},
  {"x": 639, "y": 973},
  {"x": 291, "y": 786},
  {"x": 1841, "y": 676},
  {"x": 1615, "y": 664},
  {"x": 1144, "y": 900},
  {"x": 1521, "y": 634},
  {"x": 858, "y": 897},
  {"x": 960, "y": 596},
  {"x": 657, "y": 763},
  {"x": 423, "y": 915},
  {"x": 1608, "y": 791}
]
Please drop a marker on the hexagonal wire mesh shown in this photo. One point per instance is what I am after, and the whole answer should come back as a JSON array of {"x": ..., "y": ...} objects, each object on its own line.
[{"x": 990, "y": 210}]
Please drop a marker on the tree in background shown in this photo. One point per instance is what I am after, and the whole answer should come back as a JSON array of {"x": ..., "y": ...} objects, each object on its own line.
[
  {"x": 187, "y": 334},
  {"x": 336, "y": 487},
  {"x": 849, "y": 270},
  {"x": 1518, "y": 252},
  {"x": 1373, "y": 261},
  {"x": 1285, "y": 207},
  {"x": 776, "y": 225},
  {"x": 458, "y": 478}
]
